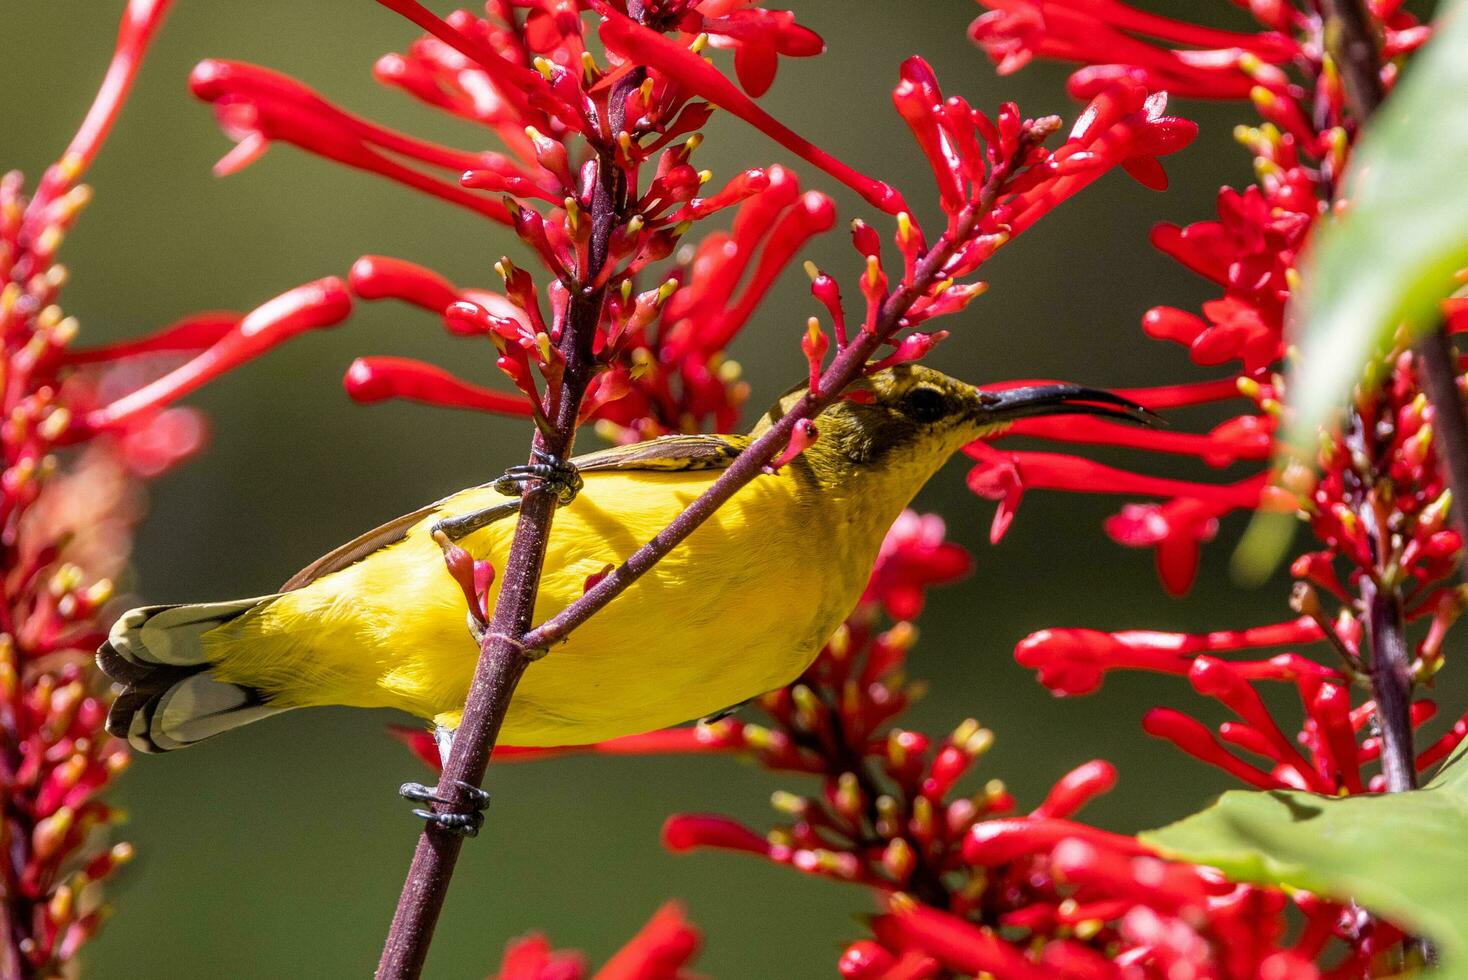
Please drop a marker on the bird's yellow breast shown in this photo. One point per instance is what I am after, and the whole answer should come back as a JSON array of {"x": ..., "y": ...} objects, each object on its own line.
[{"x": 740, "y": 608}]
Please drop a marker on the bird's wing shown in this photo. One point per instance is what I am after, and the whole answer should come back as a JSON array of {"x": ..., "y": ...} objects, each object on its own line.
[
  {"x": 668, "y": 453},
  {"x": 365, "y": 544},
  {"x": 665, "y": 453}
]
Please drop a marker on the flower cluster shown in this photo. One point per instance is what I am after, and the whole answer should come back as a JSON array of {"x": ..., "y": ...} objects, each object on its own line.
[
  {"x": 1390, "y": 475},
  {"x": 660, "y": 951},
  {"x": 1372, "y": 495},
  {"x": 1299, "y": 151},
  {"x": 586, "y": 141},
  {"x": 83, "y": 428},
  {"x": 1378, "y": 507},
  {"x": 529, "y": 77},
  {"x": 965, "y": 882}
]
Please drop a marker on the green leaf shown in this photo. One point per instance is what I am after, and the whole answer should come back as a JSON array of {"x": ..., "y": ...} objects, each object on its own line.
[
  {"x": 1403, "y": 856},
  {"x": 1390, "y": 259}
]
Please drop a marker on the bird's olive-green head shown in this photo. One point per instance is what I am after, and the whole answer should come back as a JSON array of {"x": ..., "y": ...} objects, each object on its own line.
[{"x": 912, "y": 418}]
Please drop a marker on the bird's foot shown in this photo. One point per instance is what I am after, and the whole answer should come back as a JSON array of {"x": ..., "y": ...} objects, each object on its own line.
[
  {"x": 465, "y": 823},
  {"x": 555, "y": 474}
]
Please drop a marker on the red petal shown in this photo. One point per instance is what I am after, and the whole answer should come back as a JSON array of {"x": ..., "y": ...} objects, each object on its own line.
[
  {"x": 658, "y": 951},
  {"x": 755, "y": 65}
]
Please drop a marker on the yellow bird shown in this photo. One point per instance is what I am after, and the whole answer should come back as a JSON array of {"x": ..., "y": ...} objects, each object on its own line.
[{"x": 740, "y": 608}]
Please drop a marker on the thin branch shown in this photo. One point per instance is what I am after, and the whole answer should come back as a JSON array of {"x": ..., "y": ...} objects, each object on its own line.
[
  {"x": 502, "y": 658},
  {"x": 1437, "y": 367},
  {"x": 1354, "y": 50},
  {"x": 1391, "y": 681},
  {"x": 1390, "y": 670}
]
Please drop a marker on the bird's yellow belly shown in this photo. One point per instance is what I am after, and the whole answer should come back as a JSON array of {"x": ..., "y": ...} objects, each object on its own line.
[
  {"x": 724, "y": 640},
  {"x": 739, "y": 609}
]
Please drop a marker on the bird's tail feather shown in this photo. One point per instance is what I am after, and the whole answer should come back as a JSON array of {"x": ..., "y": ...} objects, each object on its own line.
[{"x": 170, "y": 697}]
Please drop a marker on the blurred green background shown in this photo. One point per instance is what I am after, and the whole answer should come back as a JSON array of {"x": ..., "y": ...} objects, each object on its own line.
[{"x": 279, "y": 850}]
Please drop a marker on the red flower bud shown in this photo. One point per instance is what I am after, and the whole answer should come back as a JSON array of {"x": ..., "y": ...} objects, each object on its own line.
[
  {"x": 1193, "y": 737},
  {"x": 801, "y": 439},
  {"x": 865, "y": 960},
  {"x": 380, "y": 277},
  {"x": 686, "y": 831},
  {"x": 1077, "y": 788},
  {"x": 958, "y": 944},
  {"x": 995, "y": 842},
  {"x": 375, "y": 379}
]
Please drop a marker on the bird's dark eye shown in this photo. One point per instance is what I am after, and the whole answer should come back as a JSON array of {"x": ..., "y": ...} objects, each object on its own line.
[{"x": 925, "y": 404}]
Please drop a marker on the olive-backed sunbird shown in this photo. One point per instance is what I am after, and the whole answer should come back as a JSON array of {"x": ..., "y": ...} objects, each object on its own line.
[{"x": 741, "y": 607}]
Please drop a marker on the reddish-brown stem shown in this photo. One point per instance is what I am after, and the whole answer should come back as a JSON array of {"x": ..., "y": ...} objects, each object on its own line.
[
  {"x": 1354, "y": 49},
  {"x": 1390, "y": 669},
  {"x": 502, "y": 658},
  {"x": 846, "y": 368},
  {"x": 1436, "y": 366},
  {"x": 1391, "y": 681}
]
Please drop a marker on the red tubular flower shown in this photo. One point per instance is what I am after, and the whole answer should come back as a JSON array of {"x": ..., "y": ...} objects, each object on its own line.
[
  {"x": 1245, "y": 437},
  {"x": 1193, "y": 737},
  {"x": 1077, "y": 788},
  {"x": 258, "y": 107},
  {"x": 956, "y": 943},
  {"x": 1114, "y": 38},
  {"x": 380, "y": 277},
  {"x": 374, "y": 379},
  {"x": 995, "y": 842},
  {"x": 757, "y": 36},
  {"x": 669, "y": 741},
  {"x": 660, "y": 951},
  {"x": 685, "y": 831},
  {"x": 1176, "y": 528},
  {"x": 1072, "y": 661},
  {"x": 189, "y": 334},
  {"x": 801, "y": 439},
  {"x": 915, "y": 556},
  {"x": 323, "y": 303},
  {"x": 140, "y": 21}
]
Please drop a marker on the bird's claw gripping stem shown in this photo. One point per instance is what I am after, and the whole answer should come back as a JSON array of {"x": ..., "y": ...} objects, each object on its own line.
[
  {"x": 555, "y": 474},
  {"x": 465, "y": 823}
]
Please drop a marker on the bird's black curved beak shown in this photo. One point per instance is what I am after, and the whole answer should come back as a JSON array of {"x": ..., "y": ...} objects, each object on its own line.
[{"x": 1060, "y": 399}]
